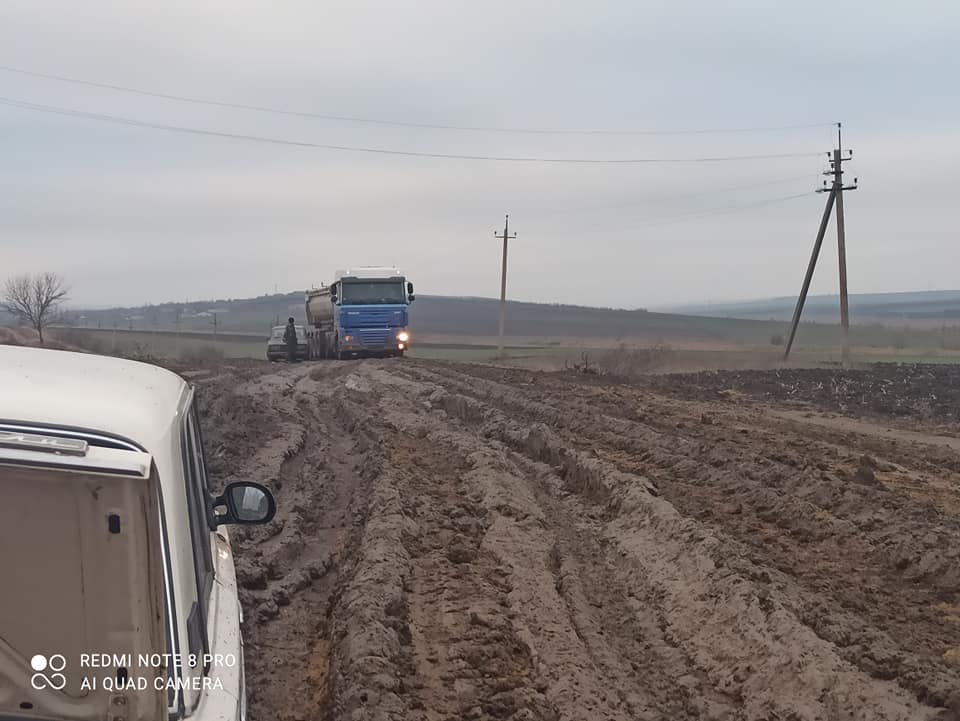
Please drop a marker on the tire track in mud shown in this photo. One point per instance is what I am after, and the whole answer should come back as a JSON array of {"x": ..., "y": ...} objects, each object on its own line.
[
  {"x": 420, "y": 623},
  {"x": 468, "y": 661},
  {"x": 820, "y": 550},
  {"x": 289, "y": 570},
  {"x": 627, "y": 636},
  {"x": 497, "y": 614},
  {"x": 298, "y": 571},
  {"x": 864, "y": 644},
  {"x": 498, "y": 552},
  {"x": 736, "y": 644}
]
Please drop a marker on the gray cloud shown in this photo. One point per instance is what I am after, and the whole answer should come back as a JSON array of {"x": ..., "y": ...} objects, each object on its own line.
[{"x": 132, "y": 215}]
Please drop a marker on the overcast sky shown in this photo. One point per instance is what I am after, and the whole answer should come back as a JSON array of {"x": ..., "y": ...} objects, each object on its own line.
[{"x": 132, "y": 215}]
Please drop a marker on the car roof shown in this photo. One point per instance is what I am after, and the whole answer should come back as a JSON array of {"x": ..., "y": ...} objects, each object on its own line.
[{"x": 137, "y": 401}]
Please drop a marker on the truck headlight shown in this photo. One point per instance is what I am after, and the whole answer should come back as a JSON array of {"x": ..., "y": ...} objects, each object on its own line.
[{"x": 403, "y": 336}]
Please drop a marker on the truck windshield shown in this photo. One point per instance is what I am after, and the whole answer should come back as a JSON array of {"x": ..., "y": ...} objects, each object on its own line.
[{"x": 354, "y": 293}]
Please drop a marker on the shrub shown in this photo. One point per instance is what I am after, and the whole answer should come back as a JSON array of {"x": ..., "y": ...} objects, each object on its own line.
[
  {"x": 627, "y": 361},
  {"x": 203, "y": 355}
]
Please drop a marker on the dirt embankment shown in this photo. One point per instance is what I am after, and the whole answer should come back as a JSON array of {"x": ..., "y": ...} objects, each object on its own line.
[
  {"x": 461, "y": 542},
  {"x": 14, "y": 335},
  {"x": 929, "y": 393}
]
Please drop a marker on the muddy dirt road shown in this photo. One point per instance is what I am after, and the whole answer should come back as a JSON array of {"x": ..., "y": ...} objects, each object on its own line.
[{"x": 458, "y": 542}]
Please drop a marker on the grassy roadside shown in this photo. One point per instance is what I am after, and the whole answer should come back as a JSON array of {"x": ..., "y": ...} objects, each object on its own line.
[{"x": 545, "y": 355}]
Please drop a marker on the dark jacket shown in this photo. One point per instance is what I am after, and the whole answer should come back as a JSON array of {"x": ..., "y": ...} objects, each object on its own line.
[{"x": 290, "y": 334}]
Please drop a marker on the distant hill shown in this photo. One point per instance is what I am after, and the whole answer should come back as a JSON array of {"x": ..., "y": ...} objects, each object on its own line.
[
  {"x": 932, "y": 305},
  {"x": 471, "y": 319}
]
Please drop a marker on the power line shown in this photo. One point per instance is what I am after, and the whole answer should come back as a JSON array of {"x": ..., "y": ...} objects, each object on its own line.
[
  {"x": 399, "y": 123},
  {"x": 723, "y": 210},
  {"x": 24, "y": 105},
  {"x": 682, "y": 196},
  {"x": 734, "y": 188}
]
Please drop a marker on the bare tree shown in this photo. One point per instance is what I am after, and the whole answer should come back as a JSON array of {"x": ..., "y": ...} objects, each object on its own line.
[{"x": 34, "y": 298}]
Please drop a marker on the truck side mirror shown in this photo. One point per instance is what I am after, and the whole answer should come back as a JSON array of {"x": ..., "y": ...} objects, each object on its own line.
[
  {"x": 411, "y": 297},
  {"x": 333, "y": 297},
  {"x": 410, "y": 288}
]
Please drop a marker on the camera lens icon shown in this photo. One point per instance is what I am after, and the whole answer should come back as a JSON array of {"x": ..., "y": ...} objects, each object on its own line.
[{"x": 56, "y": 680}]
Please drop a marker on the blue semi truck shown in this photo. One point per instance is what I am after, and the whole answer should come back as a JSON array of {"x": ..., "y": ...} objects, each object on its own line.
[{"x": 364, "y": 312}]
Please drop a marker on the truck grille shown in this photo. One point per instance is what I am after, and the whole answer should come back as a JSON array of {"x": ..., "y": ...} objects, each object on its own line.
[
  {"x": 367, "y": 316},
  {"x": 374, "y": 336}
]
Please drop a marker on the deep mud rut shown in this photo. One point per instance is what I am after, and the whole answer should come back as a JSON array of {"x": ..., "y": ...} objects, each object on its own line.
[{"x": 458, "y": 542}]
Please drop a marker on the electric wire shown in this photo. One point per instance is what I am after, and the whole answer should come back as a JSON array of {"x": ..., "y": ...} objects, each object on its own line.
[
  {"x": 25, "y": 105},
  {"x": 400, "y": 123},
  {"x": 653, "y": 199},
  {"x": 723, "y": 210}
]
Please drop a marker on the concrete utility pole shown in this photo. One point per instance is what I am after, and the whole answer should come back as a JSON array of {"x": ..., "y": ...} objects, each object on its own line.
[
  {"x": 503, "y": 280},
  {"x": 842, "y": 251},
  {"x": 834, "y": 199},
  {"x": 810, "y": 267},
  {"x": 176, "y": 324}
]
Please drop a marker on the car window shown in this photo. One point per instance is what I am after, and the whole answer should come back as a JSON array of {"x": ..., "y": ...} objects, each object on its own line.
[
  {"x": 198, "y": 503},
  {"x": 278, "y": 332}
]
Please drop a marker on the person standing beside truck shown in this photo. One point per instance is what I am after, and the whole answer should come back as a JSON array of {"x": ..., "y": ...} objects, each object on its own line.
[{"x": 290, "y": 338}]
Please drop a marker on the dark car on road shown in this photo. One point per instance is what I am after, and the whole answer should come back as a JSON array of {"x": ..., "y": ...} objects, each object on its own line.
[{"x": 277, "y": 348}]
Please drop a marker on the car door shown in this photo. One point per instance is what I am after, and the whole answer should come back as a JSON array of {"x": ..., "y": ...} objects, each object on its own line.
[
  {"x": 217, "y": 625},
  {"x": 80, "y": 540}
]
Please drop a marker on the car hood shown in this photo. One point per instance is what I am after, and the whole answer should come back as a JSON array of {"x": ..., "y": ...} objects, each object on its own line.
[{"x": 80, "y": 553}]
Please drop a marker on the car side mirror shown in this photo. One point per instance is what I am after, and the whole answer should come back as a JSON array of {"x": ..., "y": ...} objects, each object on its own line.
[
  {"x": 245, "y": 503},
  {"x": 409, "y": 287}
]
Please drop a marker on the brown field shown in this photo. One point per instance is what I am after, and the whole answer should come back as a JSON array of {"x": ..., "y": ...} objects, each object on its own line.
[
  {"x": 474, "y": 542},
  {"x": 531, "y": 352}
]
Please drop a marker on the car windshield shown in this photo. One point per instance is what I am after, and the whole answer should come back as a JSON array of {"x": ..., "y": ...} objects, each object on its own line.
[
  {"x": 364, "y": 293},
  {"x": 278, "y": 331}
]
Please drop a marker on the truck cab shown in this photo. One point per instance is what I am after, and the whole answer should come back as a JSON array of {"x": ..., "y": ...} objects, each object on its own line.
[
  {"x": 364, "y": 312},
  {"x": 120, "y": 597}
]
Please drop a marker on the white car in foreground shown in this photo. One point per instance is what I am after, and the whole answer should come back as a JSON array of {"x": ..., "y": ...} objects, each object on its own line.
[{"x": 118, "y": 598}]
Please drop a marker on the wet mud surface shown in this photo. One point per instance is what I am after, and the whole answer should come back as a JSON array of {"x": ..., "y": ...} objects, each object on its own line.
[{"x": 466, "y": 542}]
